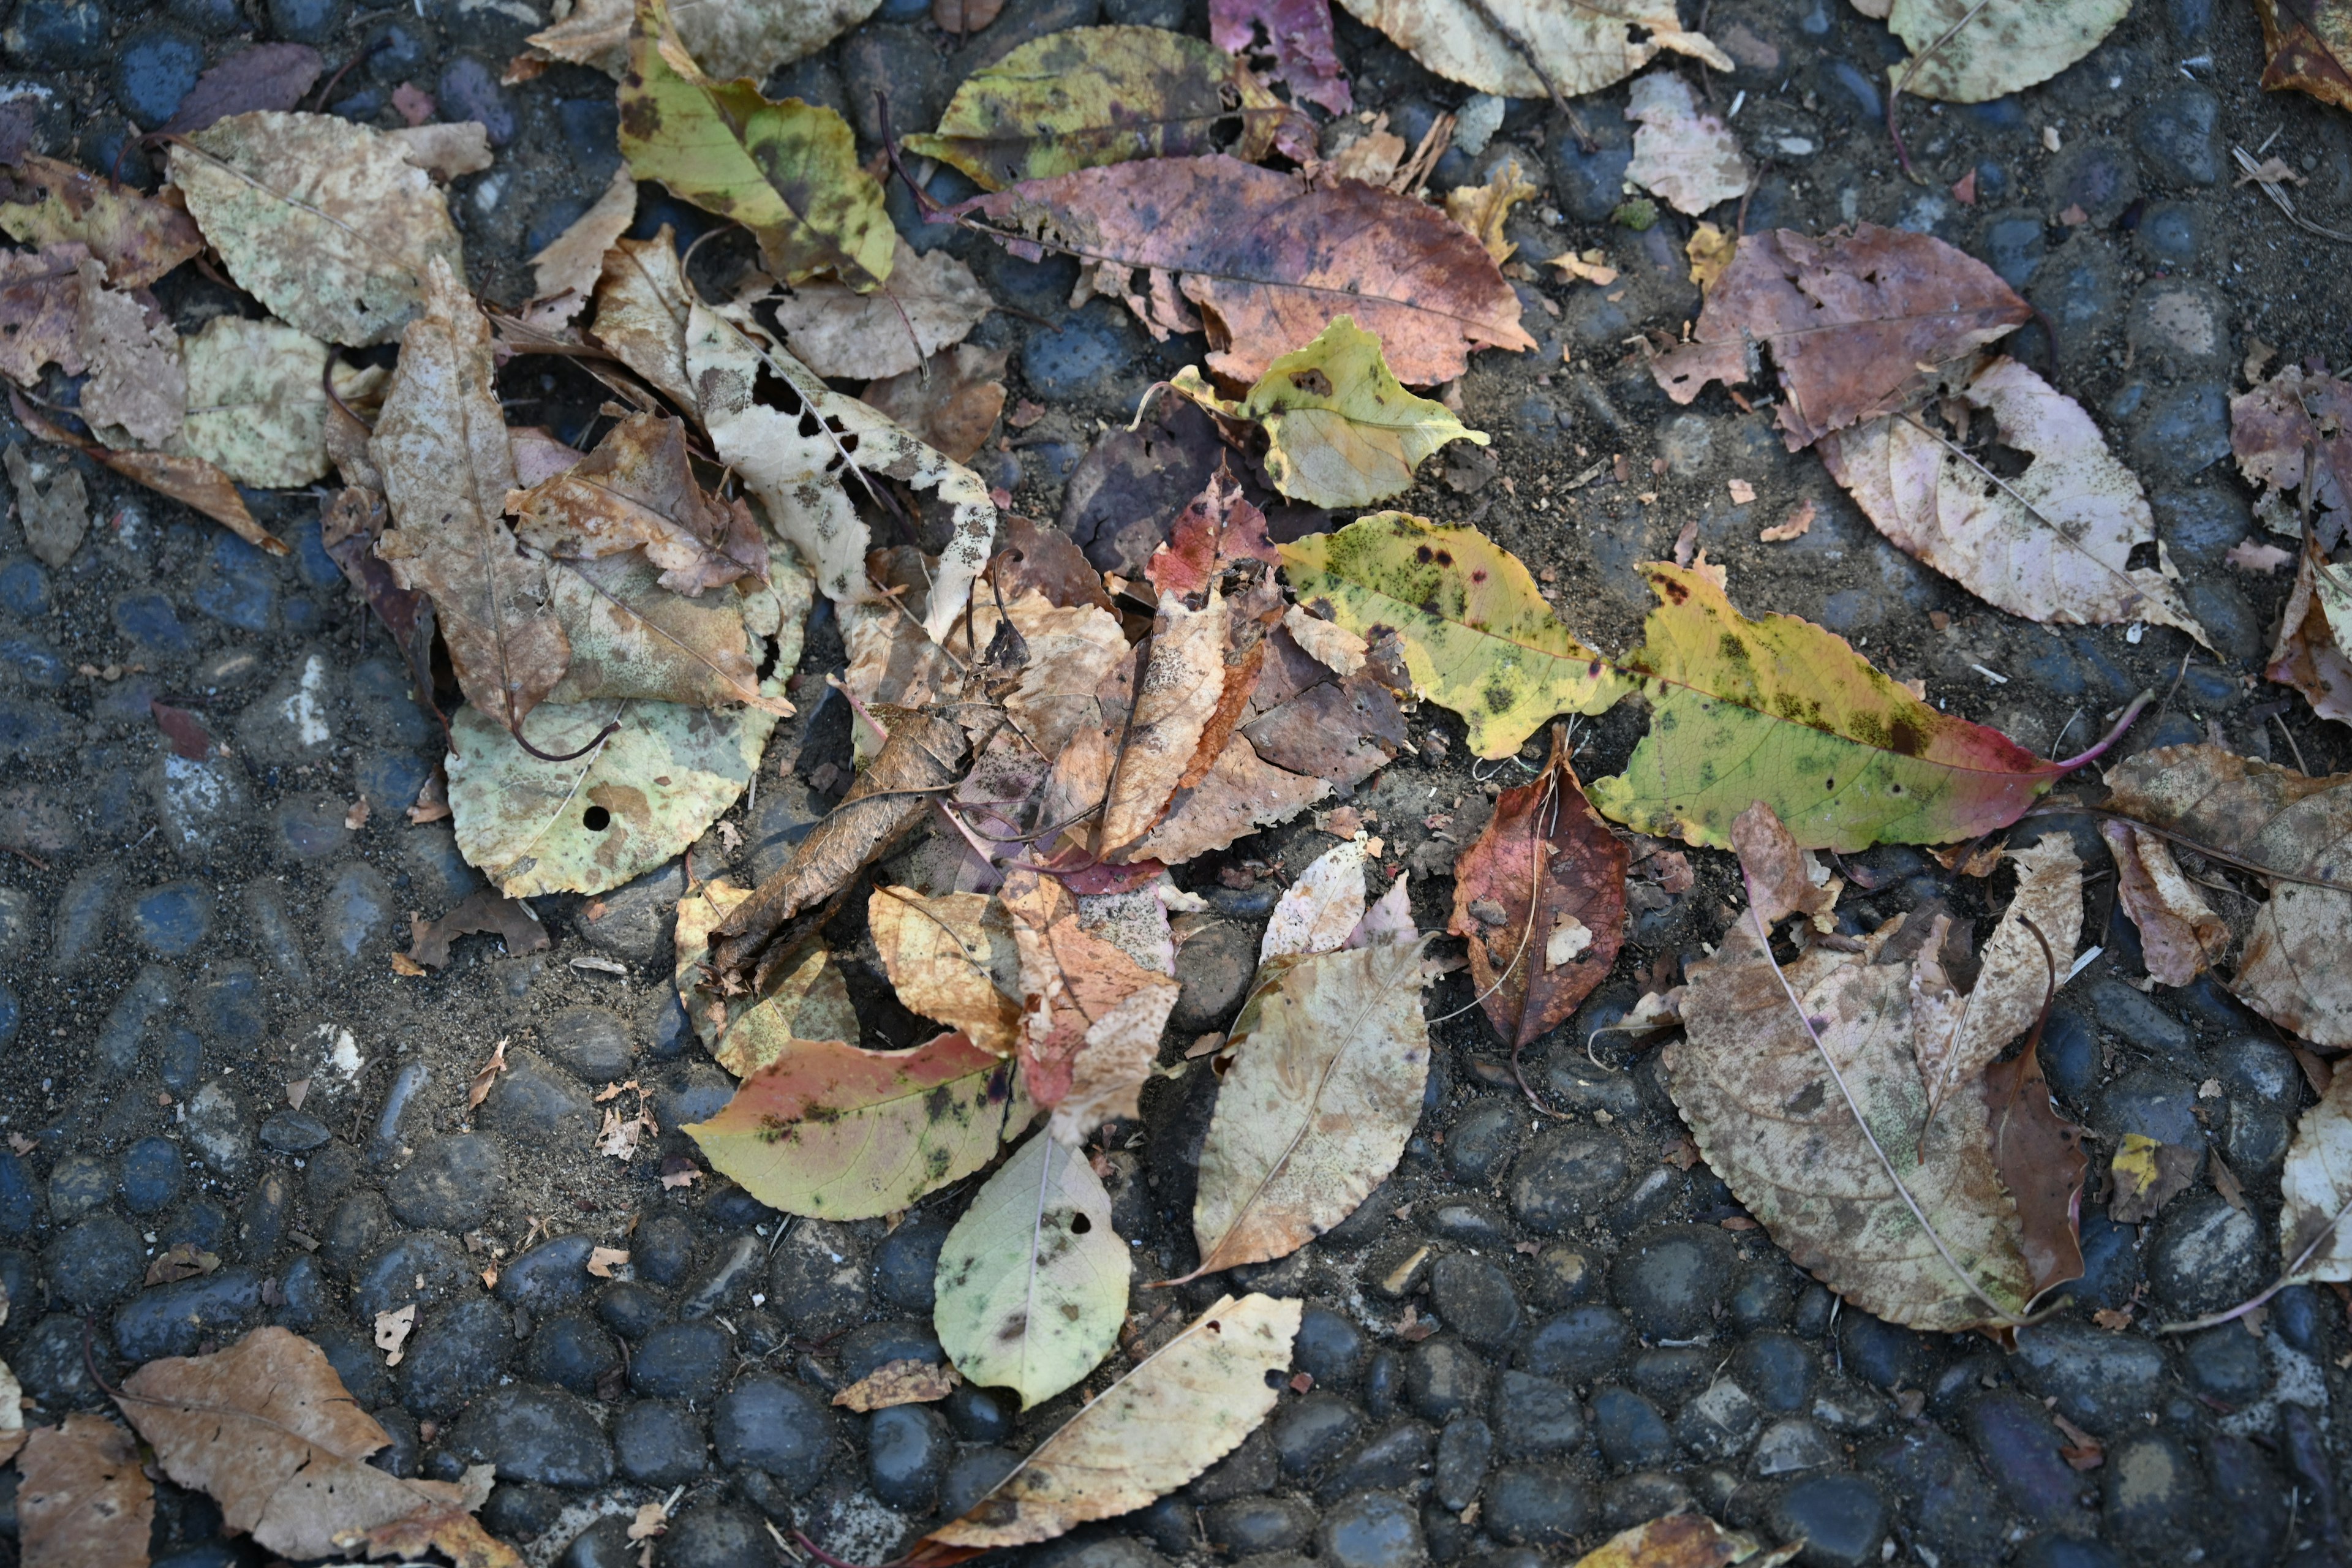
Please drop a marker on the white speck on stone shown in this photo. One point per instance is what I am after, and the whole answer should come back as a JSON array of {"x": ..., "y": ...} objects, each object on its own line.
[
  {"x": 1477, "y": 123},
  {"x": 1798, "y": 146},
  {"x": 304, "y": 711},
  {"x": 486, "y": 194},
  {"x": 341, "y": 1053}
]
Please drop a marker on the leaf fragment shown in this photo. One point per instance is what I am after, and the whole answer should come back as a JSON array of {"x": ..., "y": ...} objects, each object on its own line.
[
  {"x": 1093, "y": 1011},
  {"x": 40, "y": 310},
  {"x": 257, "y": 401},
  {"x": 746, "y": 1028},
  {"x": 637, "y": 491},
  {"x": 929, "y": 302},
  {"x": 900, "y": 1383},
  {"x": 482, "y": 911},
  {"x": 2306, "y": 45},
  {"x": 2316, "y": 1190},
  {"x": 2180, "y": 936},
  {"x": 740, "y": 38},
  {"x": 641, "y": 313},
  {"x": 952, "y": 958},
  {"x": 950, "y": 401},
  {"x": 1685, "y": 1541},
  {"x": 137, "y": 394},
  {"x": 1681, "y": 153},
  {"x": 1293, "y": 43},
  {"x": 83, "y": 1501},
  {"x": 1524, "y": 49},
  {"x": 566, "y": 270}
]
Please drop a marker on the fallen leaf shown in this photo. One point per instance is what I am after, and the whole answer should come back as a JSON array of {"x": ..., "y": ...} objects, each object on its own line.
[
  {"x": 327, "y": 223},
  {"x": 1558, "y": 875},
  {"x": 1523, "y": 48},
  {"x": 834, "y": 1132},
  {"x": 637, "y": 491},
  {"x": 441, "y": 443},
  {"x": 641, "y": 313},
  {"x": 1685, "y": 1541},
  {"x": 2180, "y": 936},
  {"x": 1341, "y": 430},
  {"x": 357, "y": 816},
  {"x": 1330, "y": 1055},
  {"x": 1291, "y": 42},
  {"x": 900, "y": 1383},
  {"x": 2316, "y": 1190},
  {"x": 1803, "y": 1094},
  {"x": 950, "y": 401},
  {"x": 741, "y": 38},
  {"x": 2275, "y": 822},
  {"x": 258, "y": 402},
  {"x": 1086, "y": 96},
  {"x": 1262, "y": 256},
  {"x": 392, "y": 1331},
  {"x": 1483, "y": 209},
  {"x": 618, "y": 1137},
  {"x": 477, "y": 1088},
  {"x": 746, "y": 1028},
  {"x": 2148, "y": 1174},
  {"x": 191, "y": 741},
  {"x": 266, "y": 1428},
  {"x": 2051, "y": 541},
  {"x": 603, "y": 1260},
  {"x": 2019, "y": 970},
  {"x": 259, "y": 75},
  {"x": 482, "y": 911},
  {"x": 2039, "y": 1154},
  {"x": 83, "y": 1500},
  {"x": 1972, "y": 51},
  {"x": 2309, "y": 654},
  {"x": 1180, "y": 1410},
  {"x": 1477, "y": 636},
  {"x": 1092, "y": 1010},
  {"x": 952, "y": 958},
  {"x": 2257, "y": 556},
  {"x": 1782, "y": 879},
  {"x": 137, "y": 392},
  {"x": 1742, "y": 492},
  {"x": 1681, "y": 153},
  {"x": 2291, "y": 434},
  {"x": 1872, "y": 763},
  {"x": 1850, "y": 322},
  {"x": 566, "y": 269},
  {"x": 1590, "y": 267},
  {"x": 52, "y": 505},
  {"x": 1032, "y": 1280},
  {"x": 2306, "y": 49},
  {"x": 137, "y": 237},
  {"x": 444, "y": 151},
  {"x": 1316, "y": 913},
  {"x": 40, "y": 312},
  {"x": 964, "y": 17},
  {"x": 652, "y": 1520},
  {"x": 1126, "y": 492},
  {"x": 786, "y": 171},
  {"x": 181, "y": 1260},
  {"x": 930, "y": 303},
  {"x": 189, "y": 480}
]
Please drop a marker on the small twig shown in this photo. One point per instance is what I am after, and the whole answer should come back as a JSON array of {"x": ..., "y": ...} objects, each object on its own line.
[
  {"x": 2284, "y": 203},
  {"x": 2293, "y": 1276},
  {"x": 2300, "y": 765}
]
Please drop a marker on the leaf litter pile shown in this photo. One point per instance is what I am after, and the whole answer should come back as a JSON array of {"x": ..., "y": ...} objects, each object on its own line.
[{"x": 617, "y": 625}]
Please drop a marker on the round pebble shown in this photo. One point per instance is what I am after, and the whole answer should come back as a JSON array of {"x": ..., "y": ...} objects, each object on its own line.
[
  {"x": 765, "y": 1423},
  {"x": 658, "y": 1443},
  {"x": 908, "y": 1448},
  {"x": 153, "y": 1173}
]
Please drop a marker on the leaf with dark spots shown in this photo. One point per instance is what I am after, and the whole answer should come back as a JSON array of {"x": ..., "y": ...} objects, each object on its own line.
[
  {"x": 138, "y": 237},
  {"x": 482, "y": 912},
  {"x": 2307, "y": 46},
  {"x": 834, "y": 1132},
  {"x": 1267, "y": 259}
]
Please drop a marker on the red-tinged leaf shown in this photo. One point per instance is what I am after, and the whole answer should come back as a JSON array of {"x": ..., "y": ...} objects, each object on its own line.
[
  {"x": 835, "y": 1132},
  {"x": 1219, "y": 527},
  {"x": 1556, "y": 876},
  {"x": 1291, "y": 42},
  {"x": 2039, "y": 1154},
  {"x": 1092, "y": 1014},
  {"x": 484, "y": 911},
  {"x": 1264, "y": 256},
  {"x": 190, "y": 740}
]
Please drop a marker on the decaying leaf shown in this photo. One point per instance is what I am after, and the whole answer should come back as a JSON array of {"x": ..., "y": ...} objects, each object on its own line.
[
  {"x": 787, "y": 170},
  {"x": 1085, "y": 97},
  {"x": 1180, "y": 1411},
  {"x": 834, "y": 1132},
  {"x": 637, "y": 491},
  {"x": 1971, "y": 51},
  {"x": 482, "y": 912},
  {"x": 2180, "y": 936},
  {"x": 641, "y": 313},
  {"x": 2147, "y": 1175},
  {"x": 1342, "y": 431},
  {"x": 258, "y": 402},
  {"x": 1331, "y": 1054},
  {"x": 2272, "y": 820},
  {"x": 1686, "y": 1541},
  {"x": 392, "y": 1331},
  {"x": 40, "y": 312},
  {"x": 2039, "y": 1154},
  {"x": 1682, "y": 152},
  {"x": 2023, "y": 962},
  {"x": 2313, "y": 633},
  {"x": 900, "y": 1383},
  {"x": 52, "y": 503},
  {"x": 1859, "y": 324},
  {"x": 1557, "y": 875},
  {"x": 1525, "y": 48},
  {"x": 268, "y": 1429},
  {"x": 2294, "y": 432},
  {"x": 743, "y": 1028},
  {"x": 192, "y": 481},
  {"x": 259, "y": 75},
  {"x": 2316, "y": 1189},
  {"x": 445, "y": 149},
  {"x": 930, "y": 301},
  {"x": 137, "y": 394},
  {"x": 1093, "y": 1011},
  {"x": 565, "y": 270},
  {"x": 1476, "y": 633},
  {"x": 1802, "y": 1091},
  {"x": 1483, "y": 209},
  {"x": 327, "y": 222},
  {"x": 2306, "y": 45},
  {"x": 1032, "y": 1280},
  {"x": 1291, "y": 40},
  {"x": 1317, "y": 912},
  {"x": 802, "y": 475},
  {"x": 950, "y": 402},
  {"x": 138, "y": 237},
  {"x": 83, "y": 1501},
  {"x": 1865, "y": 762},
  {"x": 952, "y": 958},
  {"x": 2052, "y": 541},
  {"x": 736, "y": 38},
  {"x": 1263, "y": 255}
]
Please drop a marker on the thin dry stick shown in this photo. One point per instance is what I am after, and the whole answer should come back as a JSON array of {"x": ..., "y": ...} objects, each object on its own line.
[
  {"x": 2284, "y": 203},
  {"x": 1895, "y": 95},
  {"x": 2294, "y": 1276}
]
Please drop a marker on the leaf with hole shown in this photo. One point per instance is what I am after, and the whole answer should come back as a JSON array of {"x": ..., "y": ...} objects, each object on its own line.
[{"x": 1290, "y": 41}]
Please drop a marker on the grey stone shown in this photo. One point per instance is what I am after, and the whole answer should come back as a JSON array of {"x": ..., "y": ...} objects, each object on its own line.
[
  {"x": 1630, "y": 1430},
  {"x": 1474, "y": 1298},
  {"x": 1790, "y": 1446},
  {"x": 908, "y": 1448},
  {"x": 659, "y": 1444},
  {"x": 1536, "y": 1417},
  {"x": 455, "y": 1354},
  {"x": 536, "y": 1105},
  {"x": 1481, "y": 1142},
  {"x": 1315, "y": 1431},
  {"x": 590, "y": 1043},
  {"x": 2182, "y": 324},
  {"x": 1446, "y": 1378},
  {"x": 1566, "y": 1173},
  {"x": 1579, "y": 1344},
  {"x": 765, "y": 1423},
  {"x": 639, "y": 916},
  {"x": 356, "y": 912},
  {"x": 539, "y": 1434},
  {"x": 1719, "y": 1423},
  {"x": 293, "y": 722},
  {"x": 552, "y": 1273},
  {"x": 2100, "y": 1380},
  {"x": 682, "y": 1360},
  {"x": 818, "y": 1279},
  {"x": 453, "y": 1182},
  {"x": 1841, "y": 1518},
  {"x": 79, "y": 1186},
  {"x": 2131, "y": 1013},
  {"x": 2206, "y": 1255},
  {"x": 2154, "y": 1494},
  {"x": 1669, "y": 1281},
  {"x": 294, "y": 1132},
  {"x": 2017, "y": 1445},
  {"x": 2178, "y": 135},
  {"x": 96, "y": 1263},
  {"x": 218, "y": 1130},
  {"x": 1536, "y": 1505},
  {"x": 1464, "y": 1451},
  {"x": 1246, "y": 1527},
  {"x": 1375, "y": 1530},
  {"x": 1214, "y": 968}
]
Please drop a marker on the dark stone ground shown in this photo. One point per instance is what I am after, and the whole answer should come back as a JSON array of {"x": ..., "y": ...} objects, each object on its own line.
[{"x": 181, "y": 940}]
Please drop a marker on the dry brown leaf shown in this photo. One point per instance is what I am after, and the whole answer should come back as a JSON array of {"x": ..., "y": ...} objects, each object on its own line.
[
  {"x": 477, "y": 1088},
  {"x": 2180, "y": 934},
  {"x": 444, "y": 151},
  {"x": 441, "y": 443},
  {"x": 2017, "y": 972},
  {"x": 1526, "y": 49},
  {"x": 189, "y": 480},
  {"x": 2040, "y": 1156},
  {"x": 392, "y": 1331},
  {"x": 2148, "y": 1174},
  {"x": 137, "y": 392},
  {"x": 181, "y": 1260},
  {"x": 2309, "y": 655},
  {"x": 483, "y": 911},
  {"x": 2294, "y": 432},
  {"x": 83, "y": 1502},
  {"x": 900, "y": 1383},
  {"x": 1681, "y": 153},
  {"x": 636, "y": 490},
  {"x": 951, "y": 401},
  {"x": 1800, "y": 524},
  {"x": 1686, "y": 1541},
  {"x": 1850, "y": 320},
  {"x": 1483, "y": 209},
  {"x": 138, "y": 237},
  {"x": 952, "y": 958},
  {"x": 40, "y": 312},
  {"x": 641, "y": 313},
  {"x": 565, "y": 274},
  {"x": 741, "y": 38},
  {"x": 2307, "y": 46},
  {"x": 929, "y": 303},
  {"x": 1092, "y": 1014},
  {"x": 603, "y": 1260},
  {"x": 1183, "y": 686},
  {"x": 1783, "y": 880}
]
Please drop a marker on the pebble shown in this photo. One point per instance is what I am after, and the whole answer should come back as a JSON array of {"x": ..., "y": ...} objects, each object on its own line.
[
  {"x": 1881, "y": 1352},
  {"x": 357, "y": 910},
  {"x": 729, "y": 1279},
  {"x": 2178, "y": 137},
  {"x": 2100, "y": 1380},
  {"x": 96, "y": 1263},
  {"x": 975, "y": 1472},
  {"x": 2153, "y": 1494},
  {"x": 519, "y": 1511},
  {"x": 294, "y": 1132},
  {"x": 51, "y": 1365},
  {"x": 1473, "y": 1297},
  {"x": 454, "y": 1355},
  {"x": 1249, "y": 1469},
  {"x": 681, "y": 1361},
  {"x": 56, "y": 34},
  {"x": 308, "y": 829},
  {"x": 2017, "y": 1445},
  {"x": 79, "y": 1186},
  {"x": 2249, "y": 1492},
  {"x": 714, "y": 1535},
  {"x": 1565, "y": 1174},
  {"x": 865, "y": 1351},
  {"x": 908, "y": 1448},
  {"x": 1943, "y": 1493},
  {"x": 980, "y": 1414},
  {"x": 386, "y": 1143},
  {"x": 657, "y": 1443},
  {"x": 426, "y": 1267},
  {"x": 32, "y": 729},
  {"x": 1214, "y": 968},
  {"x": 638, "y": 916},
  {"x": 1669, "y": 1283},
  {"x": 469, "y": 90},
  {"x": 818, "y": 1280},
  {"x": 765, "y": 1423},
  {"x": 396, "y": 52},
  {"x": 542, "y": 1436},
  {"x": 1719, "y": 1423},
  {"x": 662, "y": 1251},
  {"x": 1536, "y": 1505},
  {"x": 2180, "y": 324},
  {"x": 217, "y": 1131},
  {"x": 1578, "y": 1345},
  {"x": 1629, "y": 1429},
  {"x": 261, "y": 1221},
  {"x": 173, "y": 920},
  {"x": 1246, "y": 1527},
  {"x": 1536, "y": 1416},
  {"x": 1329, "y": 1347},
  {"x": 2097, "y": 177},
  {"x": 239, "y": 587},
  {"x": 1589, "y": 185},
  {"x": 570, "y": 1351},
  {"x": 202, "y": 1223},
  {"x": 202, "y": 806},
  {"x": 453, "y": 1182},
  {"x": 1466, "y": 1221},
  {"x": 548, "y": 1274},
  {"x": 231, "y": 1009},
  {"x": 153, "y": 1173},
  {"x": 2173, "y": 234},
  {"x": 1375, "y": 1530},
  {"x": 24, "y": 588},
  {"x": 534, "y": 1106},
  {"x": 2206, "y": 1255},
  {"x": 1446, "y": 1378},
  {"x": 2183, "y": 429},
  {"x": 1841, "y": 1519},
  {"x": 2152, "y": 1102},
  {"x": 630, "y": 1310},
  {"x": 590, "y": 1043},
  {"x": 1315, "y": 1431}
]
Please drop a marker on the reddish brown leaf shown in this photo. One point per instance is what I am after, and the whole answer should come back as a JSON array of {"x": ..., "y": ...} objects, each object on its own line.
[
  {"x": 348, "y": 525},
  {"x": 1293, "y": 42},
  {"x": 2039, "y": 1154},
  {"x": 2294, "y": 431},
  {"x": 1093, "y": 1014},
  {"x": 1850, "y": 319},
  {"x": 191, "y": 481},
  {"x": 2306, "y": 46},
  {"x": 951, "y": 400},
  {"x": 1044, "y": 559},
  {"x": 1558, "y": 875},
  {"x": 2307, "y": 656},
  {"x": 190, "y": 740},
  {"x": 1264, "y": 256},
  {"x": 84, "y": 1502},
  {"x": 636, "y": 490},
  {"x": 264, "y": 75},
  {"x": 484, "y": 911},
  {"x": 40, "y": 312},
  {"x": 1219, "y": 527},
  {"x": 961, "y": 17}
]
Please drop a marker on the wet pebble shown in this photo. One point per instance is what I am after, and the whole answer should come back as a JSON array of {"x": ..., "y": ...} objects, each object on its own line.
[
  {"x": 1247, "y": 1527},
  {"x": 80, "y": 1185},
  {"x": 714, "y": 1535},
  {"x": 96, "y": 1263},
  {"x": 1328, "y": 1347},
  {"x": 765, "y": 1423},
  {"x": 908, "y": 1448},
  {"x": 1474, "y": 1298},
  {"x": 1535, "y": 1417},
  {"x": 1315, "y": 1431},
  {"x": 629, "y": 1309},
  {"x": 153, "y": 1173},
  {"x": 453, "y": 1355},
  {"x": 1841, "y": 1519},
  {"x": 1374, "y": 1530},
  {"x": 2098, "y": 1379},
  {"x": 541, "y": 1435},
  {"x": 980, "y": 1414},
  {"x": 1669, "y": 1281},
  {"x": 1629, "y": 1429},
  {"x": 1579, "y": 1344}
]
